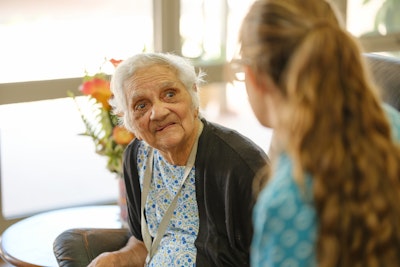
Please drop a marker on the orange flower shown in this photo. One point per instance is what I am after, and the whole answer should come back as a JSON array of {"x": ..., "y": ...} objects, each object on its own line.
[
  {"x": 115, "y": 62},
  {"x": 99, "y": 89},
  {"x": 121, "y": 135}
]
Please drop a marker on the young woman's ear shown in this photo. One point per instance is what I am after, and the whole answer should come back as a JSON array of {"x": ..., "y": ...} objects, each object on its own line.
[
  {"x": 253, "y": 79},
  {"x": 261, "y": 82}
]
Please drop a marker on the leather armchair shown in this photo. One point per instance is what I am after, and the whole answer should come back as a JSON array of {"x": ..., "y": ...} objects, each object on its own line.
[{"x": 78, "y": 247}]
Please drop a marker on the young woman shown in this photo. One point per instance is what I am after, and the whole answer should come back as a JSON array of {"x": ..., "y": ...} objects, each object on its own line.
[{"x": 332, "y": 197}]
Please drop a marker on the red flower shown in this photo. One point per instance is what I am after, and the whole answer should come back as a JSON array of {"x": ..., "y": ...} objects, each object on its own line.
[
  {"x": 115, "y": 62},
  {"x": 99, "y": 89}
]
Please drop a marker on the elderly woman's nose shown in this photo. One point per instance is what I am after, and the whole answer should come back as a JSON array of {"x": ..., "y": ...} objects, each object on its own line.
[{"x": 158, "y": 110}]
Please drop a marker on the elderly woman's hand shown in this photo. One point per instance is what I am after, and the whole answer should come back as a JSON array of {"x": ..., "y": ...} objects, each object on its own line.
[
  {"x": 132, "y": 255},
  {"x": 109, "y": 259}
]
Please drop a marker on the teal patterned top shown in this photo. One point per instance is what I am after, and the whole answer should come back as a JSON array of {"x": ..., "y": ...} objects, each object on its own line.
[
  {"x": 284, "y": 219},
  {"x": 284, "y": 222},
  {"x": 184, "y": 225}
]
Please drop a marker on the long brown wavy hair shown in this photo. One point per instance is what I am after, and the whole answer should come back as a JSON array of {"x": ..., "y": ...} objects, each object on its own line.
[{"x": 332, "y": 125}]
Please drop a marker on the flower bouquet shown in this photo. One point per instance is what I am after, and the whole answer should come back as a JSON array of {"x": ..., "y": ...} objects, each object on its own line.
[{"x": 102, "y": 125}]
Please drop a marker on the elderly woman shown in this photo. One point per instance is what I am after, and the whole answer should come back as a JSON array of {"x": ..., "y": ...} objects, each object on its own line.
[
  {"x": 188, "y": 181},
  {"x": 333, "y": 199}
]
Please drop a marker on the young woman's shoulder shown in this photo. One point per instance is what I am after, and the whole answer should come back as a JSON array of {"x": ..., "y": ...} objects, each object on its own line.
[{"x": 284, "y": 221}]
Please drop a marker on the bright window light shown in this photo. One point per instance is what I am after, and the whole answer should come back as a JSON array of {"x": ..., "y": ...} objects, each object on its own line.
[
  {"x": 45, "y": 163},
  {"x": 50, "y": 39}
]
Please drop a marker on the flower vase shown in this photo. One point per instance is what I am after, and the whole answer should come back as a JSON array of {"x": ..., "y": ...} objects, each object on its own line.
[{"x": 123, "y": 215}]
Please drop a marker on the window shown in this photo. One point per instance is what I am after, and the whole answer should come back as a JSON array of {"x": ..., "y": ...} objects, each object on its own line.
[
  {"x": 384, "y": 14},
  {"x": 202, "y": 25},
  {"x": 209, "y": 28},
  {"x": 376, "y": 23},
  {"x": 52, "y": 39},
  {"x": 209, "y": 32},
  {"x": 44, "y": 163}
]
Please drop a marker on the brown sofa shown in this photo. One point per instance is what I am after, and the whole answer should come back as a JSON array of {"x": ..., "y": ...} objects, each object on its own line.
[{"x": 78, "y": 247}]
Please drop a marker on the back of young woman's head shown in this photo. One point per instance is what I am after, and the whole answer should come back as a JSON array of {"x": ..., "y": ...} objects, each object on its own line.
[
  {"x": 272, "y": 30},
  {"x": 334, "y": 127}
]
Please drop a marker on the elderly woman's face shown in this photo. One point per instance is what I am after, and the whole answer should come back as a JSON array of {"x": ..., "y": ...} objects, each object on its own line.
[{"x": 161, "y": 108}]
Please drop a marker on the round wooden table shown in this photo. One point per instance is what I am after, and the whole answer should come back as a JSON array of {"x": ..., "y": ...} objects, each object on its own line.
[{"x": 29, "y": 242}]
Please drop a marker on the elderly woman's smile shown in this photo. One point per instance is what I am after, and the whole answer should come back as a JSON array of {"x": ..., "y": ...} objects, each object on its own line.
[{"x": 164, "y": 127}]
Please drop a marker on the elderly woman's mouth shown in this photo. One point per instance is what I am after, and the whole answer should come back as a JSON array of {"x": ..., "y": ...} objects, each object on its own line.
[{"x": 161, "y": 128}]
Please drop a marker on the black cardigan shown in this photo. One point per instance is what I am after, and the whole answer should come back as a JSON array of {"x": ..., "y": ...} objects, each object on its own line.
[{"x": 226, "y": 163}]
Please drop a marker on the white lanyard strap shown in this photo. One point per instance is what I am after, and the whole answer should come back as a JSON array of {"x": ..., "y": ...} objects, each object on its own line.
[{"x": 153, "y": 245}]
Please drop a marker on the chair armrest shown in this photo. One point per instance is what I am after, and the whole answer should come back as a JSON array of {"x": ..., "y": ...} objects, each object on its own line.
[
  {"x": 78, "y": 247},
  {"x": 385, "y": 71}
]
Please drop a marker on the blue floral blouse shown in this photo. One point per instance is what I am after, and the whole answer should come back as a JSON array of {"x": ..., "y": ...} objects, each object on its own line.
[{"x": 177, "y": 246}]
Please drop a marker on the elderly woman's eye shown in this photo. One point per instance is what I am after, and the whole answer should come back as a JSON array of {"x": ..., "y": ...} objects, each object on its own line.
[
  {"x": 140, "y": 106},
  {"x": 170, "y": 94}
]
